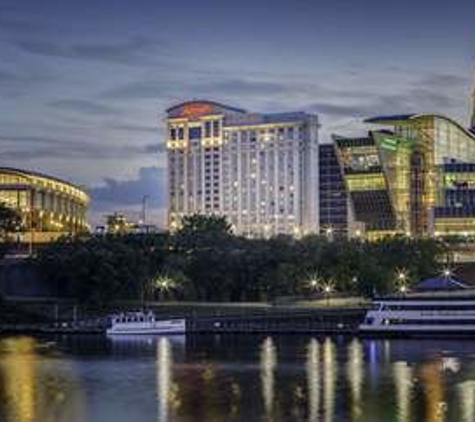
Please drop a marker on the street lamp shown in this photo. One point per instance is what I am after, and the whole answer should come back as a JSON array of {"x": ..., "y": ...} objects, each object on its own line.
[
  {"x": 447, "y": 273},
  {"x": 401, "y": 277},
  {"x": 327, "y": 291}
]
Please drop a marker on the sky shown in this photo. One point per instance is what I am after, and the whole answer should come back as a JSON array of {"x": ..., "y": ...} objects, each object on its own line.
[{"x": 84, "y": 83}]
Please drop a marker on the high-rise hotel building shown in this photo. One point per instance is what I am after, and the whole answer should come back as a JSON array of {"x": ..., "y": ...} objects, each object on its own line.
[{"x": 260, "y": 171}]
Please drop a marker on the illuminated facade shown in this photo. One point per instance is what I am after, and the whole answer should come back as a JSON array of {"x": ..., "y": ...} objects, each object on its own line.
[
  {"x": 49, "y": 207},
  {"x": 260, "y": 171},
  {"x": 416, "y": 179}
]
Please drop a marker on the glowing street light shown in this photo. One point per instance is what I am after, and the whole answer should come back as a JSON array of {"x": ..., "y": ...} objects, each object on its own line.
[
  {"x": 164, "y": 283},
  {"x": 313, "y": 283},
  {"x": 401, "y": 276},
  {"x": 327, "y": 291},
  {"x": 447, "y": 273}
]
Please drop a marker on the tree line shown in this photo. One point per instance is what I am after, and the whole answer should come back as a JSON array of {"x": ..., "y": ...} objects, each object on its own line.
[{"x": 204, "y": 261}]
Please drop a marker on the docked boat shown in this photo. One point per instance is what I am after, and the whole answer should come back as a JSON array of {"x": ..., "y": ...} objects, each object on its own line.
[
  {"x": 139, "y": 323},
  {"x": 437, "y": 312}
]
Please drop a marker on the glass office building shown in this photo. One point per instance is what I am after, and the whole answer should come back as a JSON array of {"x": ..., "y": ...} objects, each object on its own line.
[
  {"x": 49, "y": 207},
  {"x": 416, "y": 178},
  {"x": 333, "y": 197}
]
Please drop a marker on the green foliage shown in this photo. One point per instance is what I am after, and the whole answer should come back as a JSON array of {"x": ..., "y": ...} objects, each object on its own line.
[{"x": 204, "y": 261}]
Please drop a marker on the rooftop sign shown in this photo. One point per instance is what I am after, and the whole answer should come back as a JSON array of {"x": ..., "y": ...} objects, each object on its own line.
[{"x": 194, "y": 110}]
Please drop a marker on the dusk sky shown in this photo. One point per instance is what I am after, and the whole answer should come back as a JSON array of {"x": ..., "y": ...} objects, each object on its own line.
[{"x": 84, "y": 84}]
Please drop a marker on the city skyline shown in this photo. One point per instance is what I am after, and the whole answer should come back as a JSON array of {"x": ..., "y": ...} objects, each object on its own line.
[{"x": 84, "y": 84}]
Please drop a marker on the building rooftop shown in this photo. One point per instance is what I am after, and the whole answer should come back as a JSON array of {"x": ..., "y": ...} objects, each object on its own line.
[
  {"x": 404, "y": 118},
  {"x": 446, "y": 283},
  {"x": 208, "y": 102},
  {"x": 265, "y": 118},
  {"x": 37, "y": 174}
]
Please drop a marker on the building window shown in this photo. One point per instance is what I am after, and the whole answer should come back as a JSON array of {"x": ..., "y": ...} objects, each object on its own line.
[
  {"x": 181, "y": 133},
  {"x": 172, "y": 133},
  {"x": 195, "y": 133},
  {"x": 216, "y": 128},
  {"x": 207, "y": 129}
]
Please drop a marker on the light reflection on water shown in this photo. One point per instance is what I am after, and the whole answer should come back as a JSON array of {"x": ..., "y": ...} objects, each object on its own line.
[{"x": 273, "y": 379}]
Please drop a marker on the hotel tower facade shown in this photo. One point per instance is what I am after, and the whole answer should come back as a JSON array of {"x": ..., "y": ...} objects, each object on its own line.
[{"x": 260, "y": 171}]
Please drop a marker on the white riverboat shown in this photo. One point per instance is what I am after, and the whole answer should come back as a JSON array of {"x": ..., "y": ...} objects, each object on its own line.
[
  {"x": 140, "y": 323},
  {"x": 447, "y": 309}
]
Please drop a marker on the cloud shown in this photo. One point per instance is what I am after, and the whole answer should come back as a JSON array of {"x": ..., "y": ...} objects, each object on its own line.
[
  {"x": 84, "y": 106},
  {"x": 434, "y": 92},
  {"x": 115, "y": 194},
  {"x": 141, "y": 90},
  {"x": 157, "y": 148},
  {"x": 217, "y": 86},
  {"x": 130, "y": 51},
  {"x": 437, "y": 81},
  {"x": 137, "y": 128},
  {"x": 34, "y": 147},
  {"x": 22, "y": 81}
]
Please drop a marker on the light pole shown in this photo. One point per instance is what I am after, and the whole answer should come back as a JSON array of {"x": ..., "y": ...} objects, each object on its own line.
[
  {"x": 329, "y": 233},
  {"x": 447, "y": 273},
  {"x": 31, "y": 225},
  {"x": 327, "y": 291},
  {"x": 144, "y": 210},
  {"x": 402, "y": 281}
]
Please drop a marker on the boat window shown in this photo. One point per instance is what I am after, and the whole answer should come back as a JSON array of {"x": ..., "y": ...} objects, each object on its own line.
[
  {"x": 431, "y": 322},
  {"x": 429, "y": 307}
]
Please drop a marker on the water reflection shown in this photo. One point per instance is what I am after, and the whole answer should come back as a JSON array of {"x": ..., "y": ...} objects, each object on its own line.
[
  {"x": 268, "y": 364},
  {"x": 164, "y": 377},
  {"x": 466, "y": 392},
  {"x": 355, "y": 374},
  {"x": 433, "y": 386},
  {"x": 249, "y": 379},
  {"x": 403, "y": 380},
  {"x": 313, "y": 379},
  {"x": 37, "y": 387},
  {"x": 330, "y": 373}
]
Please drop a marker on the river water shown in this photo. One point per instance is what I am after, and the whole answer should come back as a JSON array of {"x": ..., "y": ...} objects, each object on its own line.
[{"x": 235, "y": 378}]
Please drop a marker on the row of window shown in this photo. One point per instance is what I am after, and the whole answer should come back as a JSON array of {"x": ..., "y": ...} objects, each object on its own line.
[{"x": 210, "y": 129}]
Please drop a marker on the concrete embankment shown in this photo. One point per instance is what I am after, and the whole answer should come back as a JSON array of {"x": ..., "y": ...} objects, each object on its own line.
[{"x": 288, "y": 321}]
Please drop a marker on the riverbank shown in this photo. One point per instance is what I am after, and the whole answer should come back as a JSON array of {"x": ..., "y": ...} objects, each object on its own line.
[{"x": 228, "y": 318}]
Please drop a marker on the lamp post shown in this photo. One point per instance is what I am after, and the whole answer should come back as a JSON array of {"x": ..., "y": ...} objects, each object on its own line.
[
  {"x": 402, "y": 281},
  {"x": 144, "y": 211},
  {"x": 329, "y": 232},
  {"x": 163, "y": 284},
  {"x": 31, "y": 224},
  {"x": 447, "y": 273},
  {"x": 327, "y": 291}
]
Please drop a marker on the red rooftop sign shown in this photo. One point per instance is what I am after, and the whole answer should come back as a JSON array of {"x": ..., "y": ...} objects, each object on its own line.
[{"x": 195, "y": 110}]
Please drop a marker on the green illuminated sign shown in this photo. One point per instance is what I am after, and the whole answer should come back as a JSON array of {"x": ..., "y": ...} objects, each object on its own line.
[{"x": 389, "y": 143}]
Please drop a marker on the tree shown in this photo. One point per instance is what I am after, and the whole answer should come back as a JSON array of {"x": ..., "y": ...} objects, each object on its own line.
[{"x": 205, "y": 243}]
